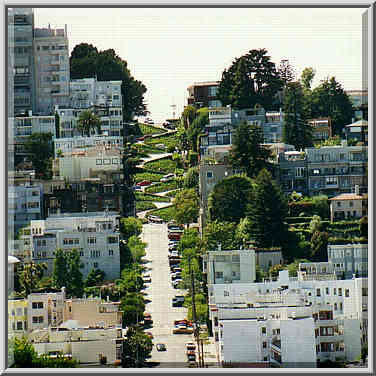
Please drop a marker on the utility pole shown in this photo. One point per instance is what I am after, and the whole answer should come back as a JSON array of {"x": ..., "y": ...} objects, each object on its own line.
[{"x": 195, "y": 327}]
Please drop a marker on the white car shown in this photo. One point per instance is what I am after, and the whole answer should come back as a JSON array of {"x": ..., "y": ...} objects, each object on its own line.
[{"x": 167, "y": 177}]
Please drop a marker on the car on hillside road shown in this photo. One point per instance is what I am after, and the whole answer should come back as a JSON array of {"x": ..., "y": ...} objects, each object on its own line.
[
  {"x": 143, "y": 183},
  {"x": 161, "y": 347}
]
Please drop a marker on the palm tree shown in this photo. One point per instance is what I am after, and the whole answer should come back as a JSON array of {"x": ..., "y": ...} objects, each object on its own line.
[{"x": 87, "y": 122}]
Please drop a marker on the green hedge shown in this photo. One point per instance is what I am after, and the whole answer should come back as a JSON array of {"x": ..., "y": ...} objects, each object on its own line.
[
  {"x": 355, "y": 240},
  {"x": 165, "y": 165},
  {"x": 167, "y": 214},
  {"x": 162, "y": 187},
  {"x": 149, "y": 197},
  {"x": 144, "y": 205},
  {"x": 295, "y": 220}
]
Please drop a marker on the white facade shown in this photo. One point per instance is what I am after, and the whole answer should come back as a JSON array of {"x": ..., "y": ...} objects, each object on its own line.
[
  {"x": 339, "y": 309},
  {"x": 236, "y": 266},
  {"x": 94, "y": 235},
  {"x": 72, "y": 144}
]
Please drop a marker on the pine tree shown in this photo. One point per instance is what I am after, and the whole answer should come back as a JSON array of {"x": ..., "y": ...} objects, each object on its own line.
[{"x": 267, "y": 212}]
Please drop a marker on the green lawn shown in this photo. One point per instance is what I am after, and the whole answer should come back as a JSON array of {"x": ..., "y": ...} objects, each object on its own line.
[
  {"x": 144, "y": 205},
  {"x": 161, "y": 187},
  {"x": 151, "y": 176},
  {"x": 172, "y": 193},
  {"x": 147, "y": 197},
  {"x": 166, "y": 165},
  {"x": 144, "y": 150},
  {"x": 169, "y": 140},
  {"x": 149, "y": 129},
  {"x": 165, "y": 213}
]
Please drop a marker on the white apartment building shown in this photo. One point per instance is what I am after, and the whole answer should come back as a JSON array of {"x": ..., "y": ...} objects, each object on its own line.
[
  {"x": 236, "y": 266},
  {"x": 104, "y": 98},
  {"x": 89, "y": 163},
  {"x": 95, "y": 235},
  {"x": 68, "y": 145},
  {"x": 338, "y": 309}
]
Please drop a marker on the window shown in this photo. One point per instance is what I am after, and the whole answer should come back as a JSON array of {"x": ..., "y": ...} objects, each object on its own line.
[
  {"x": 299, "y": 172},
  {"x": 335, "y": 306},
  {"x": 347, "y": 293},
  {"x": 263, "y": 330},
  {"x": 341, "y": 306},
  {"x": 18, "y": 311},
  {"x": 339, "y": 292},
  {"x": 106, "y": 161},
  {"x": 218, "y": 274},
  {"x": 99, "y": 161},
  {"x": 318, "y": 292},
  {"x": 327, "y": 291},
  {"x": 95, "y": 265},
  {"x": 334, "y": 291},
  {"x": 209, "y": 174},
  {"x": 112, "y": 239},
  {"x": 37, "y": 319},
  {"x": 110, "y": 252},
  {"x": 19, "y": 325},
  {"x": 91, "y": 240},
  {"x": 339, "y": 204},
  {"x": 37, "y": 305},
  {"x": 81, "y": 253},
  {"x": 351, "y": 204},
  {"x": 264, "y": 345}
]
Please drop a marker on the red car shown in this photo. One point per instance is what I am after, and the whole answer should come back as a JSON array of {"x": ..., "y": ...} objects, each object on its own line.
[
  {"x": 140, "y": 138},
  {"x": 143, "y": 183}
]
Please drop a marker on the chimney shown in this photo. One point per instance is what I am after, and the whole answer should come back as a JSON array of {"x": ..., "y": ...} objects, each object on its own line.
[{"x": 357, "y": 190}]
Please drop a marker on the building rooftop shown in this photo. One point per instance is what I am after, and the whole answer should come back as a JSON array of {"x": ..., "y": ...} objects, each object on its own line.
[
  {"x": 349, "y": 196},
  {"x": 359, "y": 123}
]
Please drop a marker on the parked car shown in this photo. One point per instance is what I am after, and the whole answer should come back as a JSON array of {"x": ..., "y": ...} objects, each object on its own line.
[
  {"x": 140, "y": 138},
  {"x": 182, "y": 331},
  {"x": 174, "y": 236},
  {"x": 175, "y": 283},
  {"x": 146, "y": 278},
  {"x": 191, "y": 357},
  {"x": 190, "y": 346},
  {"x": 155, "y": 219},
  {"x": 143, "y": 183},
  {"x": 178, "y": 301},
  {"x": 167, "y": 177},
  {"x": 173, "y": 225},
  {"x": 175, "y": 276},
  {"x": 161, "y": 347},
  {"x": 176, "y": 270},
  {"x": 137, "y": 188},
  {"x": 147, "y": 319}
]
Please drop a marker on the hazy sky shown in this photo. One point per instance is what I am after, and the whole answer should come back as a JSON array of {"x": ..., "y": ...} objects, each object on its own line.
[{"x": 169, "y": 49}]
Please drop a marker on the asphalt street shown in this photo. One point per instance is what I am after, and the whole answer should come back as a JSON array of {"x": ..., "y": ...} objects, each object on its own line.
[{"x": 160, "y": 293}]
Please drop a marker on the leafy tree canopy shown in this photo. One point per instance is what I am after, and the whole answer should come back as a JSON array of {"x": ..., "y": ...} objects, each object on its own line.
[
  {"x": 136, "y": 348},
  {"x": 186, "y": 206}
]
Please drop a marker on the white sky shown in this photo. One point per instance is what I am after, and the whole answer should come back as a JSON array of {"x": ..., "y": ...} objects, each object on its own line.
[{"x": 169, "y": 49}]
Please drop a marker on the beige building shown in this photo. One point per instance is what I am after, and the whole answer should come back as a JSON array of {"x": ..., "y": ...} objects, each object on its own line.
[
  {"x": 86, "y": 345},
  {"x": 348, "y": 205},
  {"x": 93, "y": 312},
  {"x": 89, "y": 164}
]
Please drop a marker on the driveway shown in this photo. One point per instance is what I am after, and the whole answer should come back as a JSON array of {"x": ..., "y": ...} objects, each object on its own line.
[{"x": 160, "y": 293}]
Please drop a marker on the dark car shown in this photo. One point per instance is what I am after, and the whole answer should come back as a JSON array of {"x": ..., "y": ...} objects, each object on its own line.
[{"x": 161, "y": 347}]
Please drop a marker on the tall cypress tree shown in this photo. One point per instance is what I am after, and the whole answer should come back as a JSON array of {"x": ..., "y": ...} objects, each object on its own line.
[
  {"x": 267, "y": 212},
  {"x": 60, "y": 274},
  {"x": 75, "y": 283}
]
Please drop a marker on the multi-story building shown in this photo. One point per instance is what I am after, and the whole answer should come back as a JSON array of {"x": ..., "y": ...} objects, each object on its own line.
[
  {"x": 348, "y": 205},
  {"x": 89, "y": 164},
  {"x": 94, "y": 235},
  {"x": 292, "y": 172},
  {"x": 51, "y": 55},
  {"x": 321, "y": 128},
  {"x": 103, "y": 98},
  {"x": 268, "y": 257},
  {"x": 17, "y": 317},
  {"x": 326, "y": 314},
  {"x": 359, "y": 99},
  {"x": 25, "y": 204},
  {"x": 357, "y": 131},
  {"x": 204, "y": 94},
  {"x": 336, "y": 169},
  {"x": 230, "y": 266},
  {"x": 20, "y": 30}
]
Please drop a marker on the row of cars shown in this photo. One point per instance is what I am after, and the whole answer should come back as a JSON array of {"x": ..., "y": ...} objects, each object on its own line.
[
  {"x": 146, "y": 183},
  {"x": 174, "y": 234}
]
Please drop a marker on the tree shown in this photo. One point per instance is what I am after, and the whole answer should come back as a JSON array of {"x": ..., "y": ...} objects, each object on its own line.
[
  {"x": 363, "y": 227},
  {"x": 275, "y": 269},
  {"x": 286, "y": 72},
  {"x": 195, "y": 129},
  {"x": 267, "y": 212},
  {"x": 87, "y": 61},
  {"x": 219, "y": 233},
  {"x": 39, "y": 146},
  {"x": 247, "y": 151},
  {"x": 136, "y": 348},
  {"x": 60, "y": 273},
  {"x": 260, "y": 274},
  {"x": 186, "y": 206},
  {"x": 319, "y": 246},
  {"x": 330, "y": 100},
  {"x": 75, "y": 286},
  {"x": 315, "y": 224},
  {"x": 251, "y": 79},
  {"x": 133, "y": 307},
  {"x": 191, "y": 179},
  {"x": 307, "y": 77},
  {"x": 229, "y": 198},
  {"x": 137, "y": 248},
  {"x": 188, "y": 115},
  {"x": 131, "y": 280},
  {"x": 294, "y": 267},
  {"x": 88, "y": 122},
  {"x": 130, "y": 226},
  {"x": 296, "y": 130},
  {"x": 189, "y": 240},
  {"x": 29, "y": 275},
  {"x": 25, "y": 356},
  {"x": 94, "y": 278}
]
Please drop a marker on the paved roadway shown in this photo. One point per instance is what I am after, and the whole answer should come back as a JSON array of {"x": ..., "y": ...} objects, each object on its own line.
[{"x": 161, "y": 292}]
